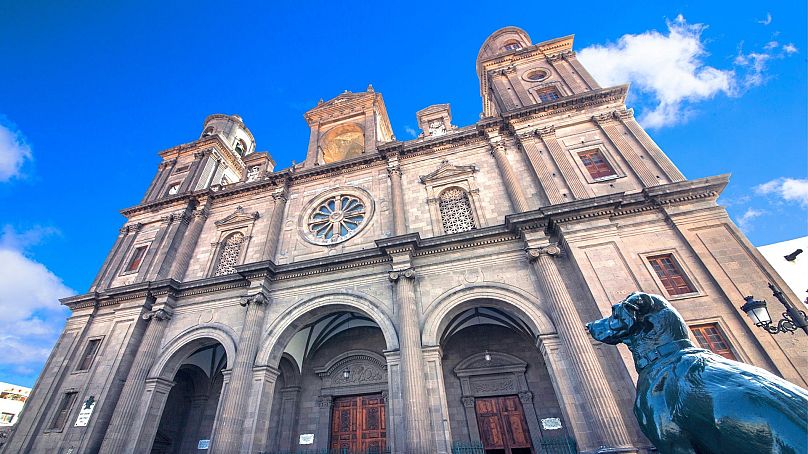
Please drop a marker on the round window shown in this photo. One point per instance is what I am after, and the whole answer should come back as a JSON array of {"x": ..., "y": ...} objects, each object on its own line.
[
  {"x": 536, "y": 75},
  {"x": 336, "y": 217}
]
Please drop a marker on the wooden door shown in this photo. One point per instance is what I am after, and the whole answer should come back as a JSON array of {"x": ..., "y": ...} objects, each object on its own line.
[
  {"x": 358, "y": 423},
  {"x": 503, "y": 428}
]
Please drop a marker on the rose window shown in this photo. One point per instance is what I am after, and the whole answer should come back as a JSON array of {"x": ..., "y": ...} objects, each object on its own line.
[{"x": 337, "y": 218}]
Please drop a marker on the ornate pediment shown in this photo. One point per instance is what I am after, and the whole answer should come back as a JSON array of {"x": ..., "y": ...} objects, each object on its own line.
[
  {"x": 238, "y": 216},
  {"x": 354, "y": 368},
  {"x": 446, "y": 170}
]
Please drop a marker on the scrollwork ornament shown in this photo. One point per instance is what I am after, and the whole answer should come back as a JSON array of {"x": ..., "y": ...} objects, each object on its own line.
[
  {"x": 534, "y": 253},
  {"x": 468, "y": 402},
  {"x": 159, "y": 315},
  {"x": 258, "y": 299},
  {"x": 409, "y": 273},
  {"x": 325, "y": 401},
  {"x": 526, "y": 397},
  {"x": 547, "y": 131}
]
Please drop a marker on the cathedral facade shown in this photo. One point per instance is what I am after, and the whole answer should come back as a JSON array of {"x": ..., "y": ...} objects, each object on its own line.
[{"x": 421, "y": 296}]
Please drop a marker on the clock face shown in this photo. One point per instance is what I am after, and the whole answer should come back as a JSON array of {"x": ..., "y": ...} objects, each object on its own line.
[{"x": 343, "y": 143}]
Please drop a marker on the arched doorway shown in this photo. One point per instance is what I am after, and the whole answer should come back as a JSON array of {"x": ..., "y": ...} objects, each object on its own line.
[
  {"x": 191, "y": 405},
  {"x": 496, "y": 381},
  {"x": 331, "y": 390}
]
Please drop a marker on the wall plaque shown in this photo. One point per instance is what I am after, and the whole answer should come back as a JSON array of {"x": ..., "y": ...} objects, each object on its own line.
[
  {"x": 85, "y": 413},
  {"x": 203, "y": 444},
  {"x": 551, "y": 423},
  {"x": 306, "y": 439}
]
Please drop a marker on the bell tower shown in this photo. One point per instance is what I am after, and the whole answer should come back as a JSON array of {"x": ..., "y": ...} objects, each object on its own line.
[
  {"x": 516, "y": 73},
  {"x": 347, "y": 127}
]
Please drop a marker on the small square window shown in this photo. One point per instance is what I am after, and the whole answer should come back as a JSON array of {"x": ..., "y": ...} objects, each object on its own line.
[
  {"x": 547, "y": 94},
  {"x": 89, "y": 354},
  {"x": 709, "y": 337},
  {"x": 670, "y": 274},
  {"x": 60, "y": 418},
  {"x": 6, "y": 418},
  {"x": 137, "y": 259},
  {"x": 512, "y": 46},
  {"x": 597, "y": 166}
]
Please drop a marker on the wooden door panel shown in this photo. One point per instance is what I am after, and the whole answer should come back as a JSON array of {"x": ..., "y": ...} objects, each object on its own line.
[
  {"x": 359, "y": 423},
  {"x": 502, "y": 423}
]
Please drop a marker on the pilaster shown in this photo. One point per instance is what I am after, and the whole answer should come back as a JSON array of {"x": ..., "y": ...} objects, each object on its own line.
[
  {"x": 189, "y": 241},
  {"x": 541, "y": 169},
  {"x": 280, "y": 196},
  {"x": 396, "y": 195},
  {"x": 124, "y": 428},
  {"x": 576, "y": 186},
  {"x": 606, "y": 419},
  {"x": 607, "y": 124},
  {"x": 512, "y": 185},
  {"x": 230, "y": 422},
  {"x": 626, "y": 116}
]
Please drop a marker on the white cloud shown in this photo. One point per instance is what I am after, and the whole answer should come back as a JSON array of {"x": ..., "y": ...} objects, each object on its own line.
[
  {"x": 788, "y": 189},
  {"x": 767, "y": 20},
  {"x": 669, "y": 67},
  {"x": 32, "y": 315},
  {"x": 409, "y": 130},
  {"x": 14, "y": 151},
  {"x": 745, "y": 221},
  {"x": 668, "y": 71}
]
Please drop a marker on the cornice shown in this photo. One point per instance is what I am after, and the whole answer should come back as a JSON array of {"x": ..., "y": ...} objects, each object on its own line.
[{"x": 565, "y": 104}]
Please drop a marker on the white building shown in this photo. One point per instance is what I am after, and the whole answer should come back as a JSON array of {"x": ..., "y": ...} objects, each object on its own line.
[
  {"x": 795, "y": 271},
  {"x": 12, "y": 399}
]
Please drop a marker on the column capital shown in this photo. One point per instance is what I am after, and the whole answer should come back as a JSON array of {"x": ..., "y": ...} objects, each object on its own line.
[
  {"x": 281, "y": 193},
  {"x": 551, "y": 250},
  {"x": 526, "y": 397},
  {"x": 131, "y": 228},
  {"x": 624, "y": 114},
  {"x": 555, "y": 57},
  {"x": 602, "y": 119},
  {"x": 158, "y": 315},
  {"x": 468, "y": 402},
  {"x": 325, "y": 401},
  {"x": 547, "y": 131},
  {"x": 497, "y": 147},
  {"x": 408, "y": 273},
  {"x": 258, "y": 299},
  {"x": 568, "y": 54}
]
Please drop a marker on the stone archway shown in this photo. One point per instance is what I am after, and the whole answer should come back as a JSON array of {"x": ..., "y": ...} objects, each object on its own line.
[
  {"x": 176, "y": 361},
  {"x": 513, "y": 316},
  {"x": 281, "y": 332}
]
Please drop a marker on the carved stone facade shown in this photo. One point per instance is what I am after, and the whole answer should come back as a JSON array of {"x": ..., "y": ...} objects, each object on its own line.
[{"x": 442, "y": 281}]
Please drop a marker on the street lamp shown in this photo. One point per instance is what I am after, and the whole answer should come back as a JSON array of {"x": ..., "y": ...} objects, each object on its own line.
[{"x": 793, "y": 318}]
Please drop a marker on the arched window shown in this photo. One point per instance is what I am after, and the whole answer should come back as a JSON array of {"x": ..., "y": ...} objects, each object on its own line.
[
  {"x": 229, "y": 255},
  {"x": 240, "y": 148},
  {"x": 455, "y": 211},
  {"x": 512, "y": 45}
]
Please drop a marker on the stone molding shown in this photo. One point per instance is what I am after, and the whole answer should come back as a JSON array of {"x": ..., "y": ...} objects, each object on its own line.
[
  {"x": 258, "y": 299},
  {"x": 158, "y": 315},
  {"x": 408, "y": 273},
  {"x": 551, "y": 250}
]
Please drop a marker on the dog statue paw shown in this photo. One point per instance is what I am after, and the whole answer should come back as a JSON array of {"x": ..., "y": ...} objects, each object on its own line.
[{"x": 690, "y": 400}]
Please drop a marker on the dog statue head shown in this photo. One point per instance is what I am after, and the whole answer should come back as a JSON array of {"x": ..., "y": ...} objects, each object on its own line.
[{"x": 641, "y": 321}]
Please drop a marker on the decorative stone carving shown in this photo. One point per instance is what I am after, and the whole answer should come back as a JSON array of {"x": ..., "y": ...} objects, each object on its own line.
[
  {"x": 547, "y": 131},
  {"x": 408, "y": 273},
  {"x": 363, "y": 368},
  {"x": 526, "y": 397},
  {"x": 492, "y": 386},
  {"x": 259, "y": 298},
  {"x": 468, "y": 402},
  {"x": 535, "y": 252},
  {"x": 238, "y": 216},
  {"x": 336, "y": 216},
  {"x": 325, "y": 401},
  {"x": 159, "y": 315}
]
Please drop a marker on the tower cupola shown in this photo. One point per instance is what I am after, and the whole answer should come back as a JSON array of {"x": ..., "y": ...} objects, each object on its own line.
[{"x": 233, "y": 132}]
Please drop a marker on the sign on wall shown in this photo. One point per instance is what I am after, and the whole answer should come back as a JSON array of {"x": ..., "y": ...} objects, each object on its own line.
[
  {"x": 85, "y": 413},
  {"x": 203, "y": 444},
  {"x": 306, "y": 439}
]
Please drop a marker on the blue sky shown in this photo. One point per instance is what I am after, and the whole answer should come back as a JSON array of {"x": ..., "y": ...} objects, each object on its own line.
[{"x": 91, "y": 91}]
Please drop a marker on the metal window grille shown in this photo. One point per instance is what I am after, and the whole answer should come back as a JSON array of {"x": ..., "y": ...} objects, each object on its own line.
[
  {"x": 228, "y": 258},
  {"x": 455, "y": 211}
]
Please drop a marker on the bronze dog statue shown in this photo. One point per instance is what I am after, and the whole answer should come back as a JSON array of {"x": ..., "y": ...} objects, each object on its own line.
[{"x": 690, "y": 400}]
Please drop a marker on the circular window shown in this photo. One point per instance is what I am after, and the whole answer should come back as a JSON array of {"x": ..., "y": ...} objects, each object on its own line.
[
  {"x": 536, "y": 75},
  {"x": 336, "y": 217}
]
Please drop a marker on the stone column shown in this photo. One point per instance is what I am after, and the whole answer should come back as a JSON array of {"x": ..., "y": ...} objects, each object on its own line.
[
  {"x": 555, "y": 61},
  {"x": 124, "y": 428},
  {"x": 230, "y": 423},
  {"x": 469, "y": 404},
  {"x": 194, "y": 170},
  {"x": 640, "y": 168},
  {"x": 396, "y": 197},
  {"x": 280, "y": 196},
  {"x": 325, "y": 404},
  {"x": 563, "y": 163},
  {"x": 606, "y": 419},
  {"x": 526, "y": 398},
  {"x": 627, "y": 117},
  {"x": 183, "y": 258},
  {"x": 289, "y": 406},
  {"x": 512, "y": 185},
  {"x": 570, "y": 57},
  {"x": 439, "y": 407},
  {"x": 416, "y": 405}
]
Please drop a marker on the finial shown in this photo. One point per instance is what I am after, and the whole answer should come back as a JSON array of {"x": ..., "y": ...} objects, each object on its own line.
[
  {"x": 320, "y": 101},
  {"x": 370, "y": 88}
]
